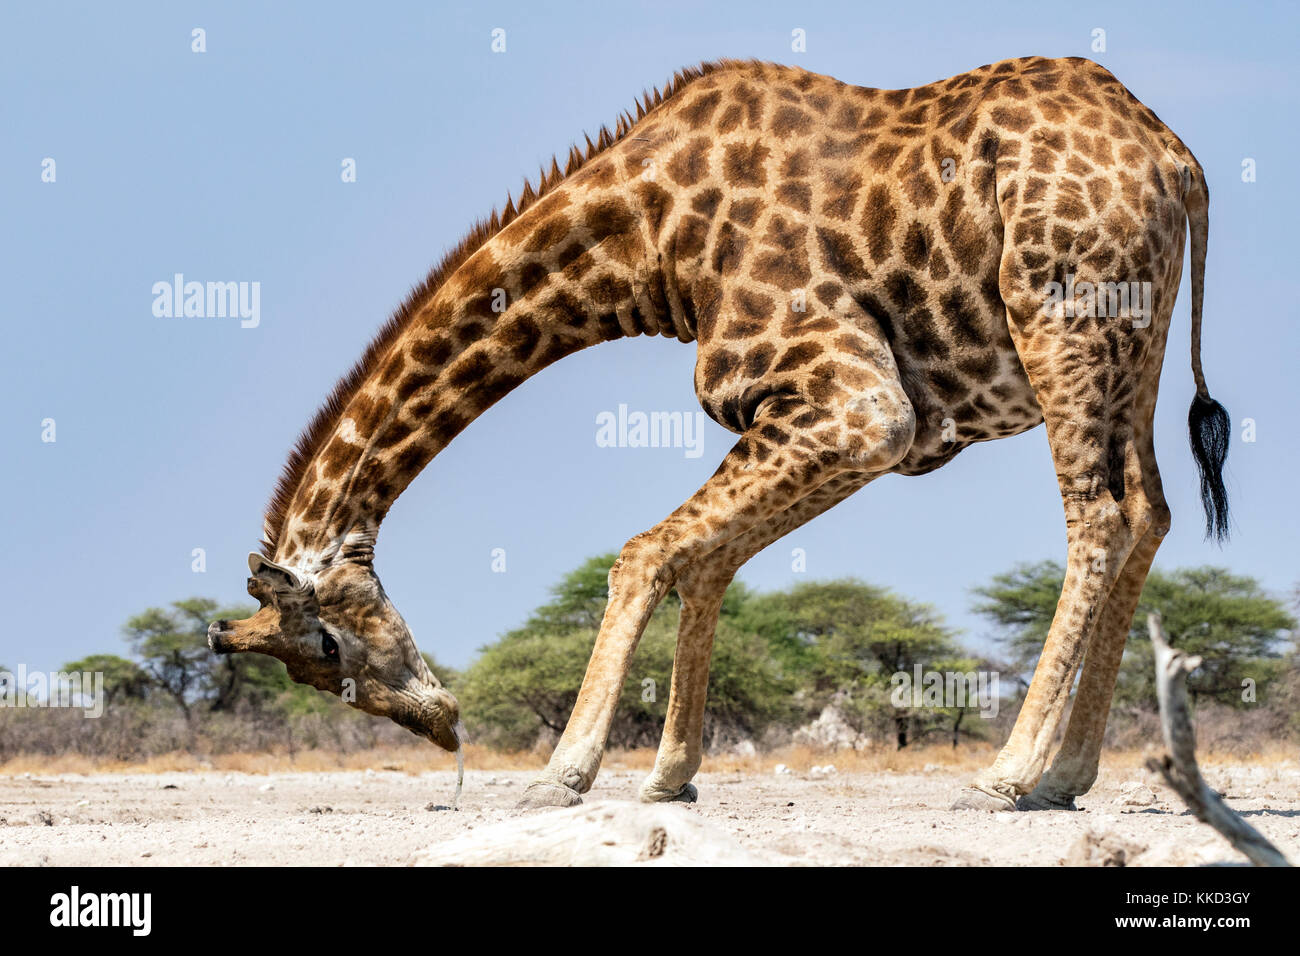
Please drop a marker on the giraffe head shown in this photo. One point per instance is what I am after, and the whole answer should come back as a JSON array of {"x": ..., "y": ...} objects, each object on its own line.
[{"x": 338, "y": 631}]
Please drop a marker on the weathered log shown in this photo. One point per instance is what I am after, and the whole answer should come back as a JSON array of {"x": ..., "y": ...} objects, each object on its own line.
[{"x": 1178, "y": 765}]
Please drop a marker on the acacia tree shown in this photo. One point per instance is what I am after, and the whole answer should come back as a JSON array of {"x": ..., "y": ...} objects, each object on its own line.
[
  {"x": 778, "y": 659},
  {"x": 123, "y": 679},
  {"x": 1239, "y": 631},
  {"x": 172, "y": 645},
  {"x": 848, "y": 639},
  {"x": 527, "y": 681},
  {"x": 1021, "y": 603}
]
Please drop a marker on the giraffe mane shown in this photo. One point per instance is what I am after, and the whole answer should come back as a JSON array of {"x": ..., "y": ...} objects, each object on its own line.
[{"x": 323, "y": 422}]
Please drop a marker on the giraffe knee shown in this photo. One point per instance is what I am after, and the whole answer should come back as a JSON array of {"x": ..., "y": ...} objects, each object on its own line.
[
  {"x": 641, "y": 562},
  {"x": 897, "y": 432},
  {"x": 881, "y": 427},
  {"x": 704, "y": 581}
]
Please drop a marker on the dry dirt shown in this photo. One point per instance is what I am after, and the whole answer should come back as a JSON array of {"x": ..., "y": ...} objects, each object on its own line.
[{"x": 351, "y": 817}]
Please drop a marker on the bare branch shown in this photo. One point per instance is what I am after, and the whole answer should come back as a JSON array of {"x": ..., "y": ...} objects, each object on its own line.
[{"x": 1178, "y": 765}]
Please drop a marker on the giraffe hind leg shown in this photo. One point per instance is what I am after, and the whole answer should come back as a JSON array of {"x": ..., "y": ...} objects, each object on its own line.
[
  {"x": 1102, "y": 529},
  {"x": 1074, "y": 768},
  {"x": 1093, "y": 380}
]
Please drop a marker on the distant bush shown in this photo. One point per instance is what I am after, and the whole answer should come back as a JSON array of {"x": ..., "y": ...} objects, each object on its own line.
[{"x": 779, "y": 660}]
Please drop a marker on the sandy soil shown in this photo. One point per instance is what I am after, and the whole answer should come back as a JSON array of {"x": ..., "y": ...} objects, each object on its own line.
[{"x": 387, "y": 817}]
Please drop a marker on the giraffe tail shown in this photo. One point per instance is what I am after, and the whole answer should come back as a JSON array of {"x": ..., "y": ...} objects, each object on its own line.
[{"x": 1208, "y": 425}]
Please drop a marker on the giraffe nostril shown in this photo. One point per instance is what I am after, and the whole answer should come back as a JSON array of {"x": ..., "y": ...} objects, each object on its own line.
[{"x": 216, "y": 631}]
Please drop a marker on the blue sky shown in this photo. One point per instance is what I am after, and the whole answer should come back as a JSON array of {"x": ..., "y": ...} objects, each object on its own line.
[{"x": 225, "y": 165}]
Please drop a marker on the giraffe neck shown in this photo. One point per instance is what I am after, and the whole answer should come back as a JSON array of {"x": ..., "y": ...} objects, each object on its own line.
[{"x": 569, "y": 273}]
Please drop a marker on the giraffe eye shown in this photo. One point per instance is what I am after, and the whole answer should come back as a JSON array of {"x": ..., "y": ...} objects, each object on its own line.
[{"x": 329, "y": 647}]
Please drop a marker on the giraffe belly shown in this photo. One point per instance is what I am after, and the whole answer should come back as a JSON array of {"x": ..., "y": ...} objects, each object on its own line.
[{"x": 971, "y": 395}]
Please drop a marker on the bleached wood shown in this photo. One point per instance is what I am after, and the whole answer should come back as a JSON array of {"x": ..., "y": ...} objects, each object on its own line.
[{"x": 1178, "y": 765}]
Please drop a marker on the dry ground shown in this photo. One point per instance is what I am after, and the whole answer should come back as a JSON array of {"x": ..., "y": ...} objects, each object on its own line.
[{"x": 385, "y": 808}]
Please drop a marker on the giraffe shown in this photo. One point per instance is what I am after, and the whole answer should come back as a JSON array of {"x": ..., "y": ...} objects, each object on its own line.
[{"x": 871, "y": 278}]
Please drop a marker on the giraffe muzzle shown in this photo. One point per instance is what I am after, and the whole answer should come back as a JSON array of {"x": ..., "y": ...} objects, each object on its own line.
[
  {"x": 217, "y": 633},
  {"x": 252, "y": 634},
  {"x": 434, "y": 715}
]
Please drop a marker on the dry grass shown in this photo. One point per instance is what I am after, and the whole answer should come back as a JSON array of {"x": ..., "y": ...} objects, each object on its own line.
[
  {"x": 416, "y": 760},
  {"x": 421, "y": 759},
  {"x": 411, "y": 760},
  {"x": 872, "y": 760},
  {"x": 1268, "y": 756}
]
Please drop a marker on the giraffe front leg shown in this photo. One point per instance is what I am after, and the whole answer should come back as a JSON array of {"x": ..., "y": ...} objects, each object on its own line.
[
  {"x": 702, "y": 587},
  {"x": 773, "y": 465},
  {"x": 638, "y": 581},
  {"x": 682, "y": 745}
]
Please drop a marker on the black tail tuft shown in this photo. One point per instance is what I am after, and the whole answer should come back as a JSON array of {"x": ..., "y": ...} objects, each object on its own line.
[{"x": 1210, "y": 429}]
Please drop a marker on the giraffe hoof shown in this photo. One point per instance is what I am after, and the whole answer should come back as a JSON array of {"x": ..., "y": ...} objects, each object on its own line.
[
  {"x": 686, "y": 793},
  {"x": 1043, "y": 800},
  {"x": 548, "y": 795},
  {"x": 972, "y": 799}
]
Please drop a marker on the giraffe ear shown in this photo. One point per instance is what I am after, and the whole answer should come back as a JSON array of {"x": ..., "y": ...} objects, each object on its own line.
[{"x": 275, "y": 577}]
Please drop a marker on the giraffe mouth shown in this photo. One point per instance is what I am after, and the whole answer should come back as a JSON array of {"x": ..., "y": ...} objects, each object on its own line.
[
  {"x": 433, "y": 714},
  {"x": 217, "y": 632}
]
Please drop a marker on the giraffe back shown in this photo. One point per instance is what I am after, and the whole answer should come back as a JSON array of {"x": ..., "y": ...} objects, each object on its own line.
[{"x": 891, "y": 208}]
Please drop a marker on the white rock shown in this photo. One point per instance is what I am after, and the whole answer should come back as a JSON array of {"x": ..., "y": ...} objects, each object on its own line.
[
  {"x": 604, "y": 833},
  {"x": 1101, "y": 848},
  {"x": 1137, "y": 795},
  {"x": 830, "y": 731}
]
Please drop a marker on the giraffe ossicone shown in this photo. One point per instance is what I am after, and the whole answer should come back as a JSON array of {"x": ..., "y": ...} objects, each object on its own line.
[{"x": 867, "y": 275}]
